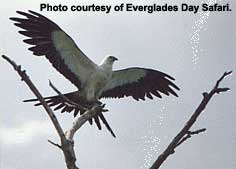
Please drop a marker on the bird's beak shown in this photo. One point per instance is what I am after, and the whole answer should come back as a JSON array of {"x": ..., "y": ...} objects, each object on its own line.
[{"x": 115, "y": 59}]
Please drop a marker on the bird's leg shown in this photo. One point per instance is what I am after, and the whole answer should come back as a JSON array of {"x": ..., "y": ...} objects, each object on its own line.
[{"x": 99, "y": 106}]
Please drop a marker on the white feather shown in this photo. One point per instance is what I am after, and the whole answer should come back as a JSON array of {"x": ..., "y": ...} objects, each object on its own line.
[{"x": 73, "y": 57}]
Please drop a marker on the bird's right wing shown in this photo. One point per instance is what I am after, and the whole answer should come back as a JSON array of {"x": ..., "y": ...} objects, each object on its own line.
[
  {"x": 139, "y": 83},
  {"x": 58, "y": 47}
]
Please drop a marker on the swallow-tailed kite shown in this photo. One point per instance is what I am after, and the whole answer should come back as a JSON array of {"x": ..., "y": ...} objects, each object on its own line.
[{"x": 93, "y": 81}]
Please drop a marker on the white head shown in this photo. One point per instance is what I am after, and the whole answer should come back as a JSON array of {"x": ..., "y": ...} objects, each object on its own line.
[{"x": 109, "y": 60}]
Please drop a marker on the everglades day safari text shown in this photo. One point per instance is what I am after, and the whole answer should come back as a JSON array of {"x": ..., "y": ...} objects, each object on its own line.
[{"x": 131, "y": 7}]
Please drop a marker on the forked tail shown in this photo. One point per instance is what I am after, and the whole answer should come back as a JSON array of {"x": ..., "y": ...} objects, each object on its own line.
[{"x": 60, "y": 103}]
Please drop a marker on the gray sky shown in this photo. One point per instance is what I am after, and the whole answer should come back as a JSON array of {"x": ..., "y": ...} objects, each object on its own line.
[{"x": 195, "y": 49}]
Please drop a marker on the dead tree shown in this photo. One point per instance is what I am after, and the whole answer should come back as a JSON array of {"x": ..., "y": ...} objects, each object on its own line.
[
  {"x": 185, "y": 132},
  {"x": 66, "y": 138}
]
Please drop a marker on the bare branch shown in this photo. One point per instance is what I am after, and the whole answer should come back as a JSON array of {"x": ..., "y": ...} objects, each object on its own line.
[
  {"x": 32, "y": 87},
  {"x": 79, "y": 121},
  {"x": 67, "y": 146},
  {"x": 67, "y": 142},
  {"x": 222, "y": 77},
  {"x": 197, "y": 131},
  {"x": 55, "y": 144},
  {"x": 189, "y": 134},
  {"x": 185, "y": 133}
]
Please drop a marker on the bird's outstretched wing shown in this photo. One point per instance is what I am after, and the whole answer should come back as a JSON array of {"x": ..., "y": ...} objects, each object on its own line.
[
  {"x": 50, "y": 40},
  {"x": 138, "y": 83}
]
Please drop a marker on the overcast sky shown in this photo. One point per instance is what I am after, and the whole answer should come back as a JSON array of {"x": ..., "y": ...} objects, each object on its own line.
[{"x": 196, "y": 49}]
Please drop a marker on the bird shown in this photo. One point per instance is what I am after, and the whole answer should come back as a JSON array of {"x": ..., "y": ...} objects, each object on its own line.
[{"x": 93, "y": 81}]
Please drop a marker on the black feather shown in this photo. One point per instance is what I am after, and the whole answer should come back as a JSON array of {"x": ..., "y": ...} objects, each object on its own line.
[{"x": 150, "y": 82}]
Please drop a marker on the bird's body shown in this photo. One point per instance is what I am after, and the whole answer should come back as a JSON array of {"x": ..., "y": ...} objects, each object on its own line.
[
  {"x": 92, "y": 80},
  {"x": 94, "y": 85}
]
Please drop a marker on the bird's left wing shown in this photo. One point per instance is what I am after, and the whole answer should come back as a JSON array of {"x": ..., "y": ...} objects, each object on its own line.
[
  {"x": 138, "y": 83},
  {"x": 58, "y": 47}
]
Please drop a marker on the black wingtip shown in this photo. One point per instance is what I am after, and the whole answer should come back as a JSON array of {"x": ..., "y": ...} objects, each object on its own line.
[
  {"x": 26, "y": 14},
  {"x": 170, "y": 90},
  {"x": 175, "y": 94},
  {"x": 30, "y": 100},
  {"x": 37, "y": 14},
  {"x": 172, "y": 84},
  {"x": 20, "y": 12},
  {"x": 176, "y": 87},
  {"x": 14, "y": 19},
  {"x": 33, "y": 12}
]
